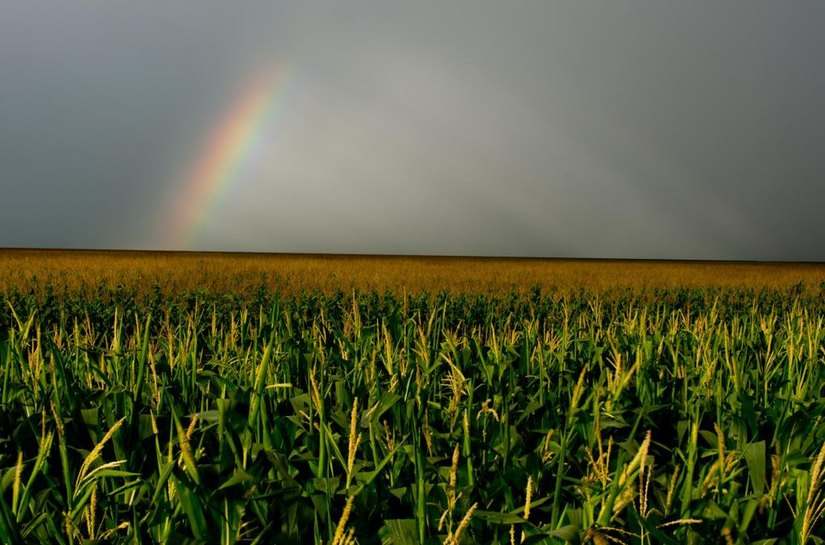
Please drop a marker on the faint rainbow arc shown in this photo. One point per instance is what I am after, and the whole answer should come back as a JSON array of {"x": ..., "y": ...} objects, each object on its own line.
[{"x": 225, "y": 152}]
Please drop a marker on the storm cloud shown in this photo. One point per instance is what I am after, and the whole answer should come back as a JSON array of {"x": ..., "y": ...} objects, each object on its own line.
[{"x": 626, "y": 129}]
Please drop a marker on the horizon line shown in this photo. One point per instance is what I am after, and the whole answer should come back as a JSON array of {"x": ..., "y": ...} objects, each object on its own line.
[{"x": 406, "y": 256}]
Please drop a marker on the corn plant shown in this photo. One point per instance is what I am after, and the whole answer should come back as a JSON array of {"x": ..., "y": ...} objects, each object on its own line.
[{"x": 365, "y": 418}]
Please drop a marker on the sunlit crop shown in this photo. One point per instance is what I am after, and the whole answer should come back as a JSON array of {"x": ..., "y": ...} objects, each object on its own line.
[{"x": 692, "y": 417}]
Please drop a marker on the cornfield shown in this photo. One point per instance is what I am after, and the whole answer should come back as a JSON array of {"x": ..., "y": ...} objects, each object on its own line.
[{"x": 691, "y": 416}]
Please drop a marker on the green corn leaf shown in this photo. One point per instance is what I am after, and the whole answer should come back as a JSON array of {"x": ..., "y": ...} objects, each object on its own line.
[
  {"x": 755, "y": 459},
  {"x": 399, "y": 532},
  {"x": 193, "y": 509}
]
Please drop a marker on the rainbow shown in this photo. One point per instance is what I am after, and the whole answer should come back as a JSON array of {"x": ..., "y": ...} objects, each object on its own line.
[{"x": 224, "y": 154}]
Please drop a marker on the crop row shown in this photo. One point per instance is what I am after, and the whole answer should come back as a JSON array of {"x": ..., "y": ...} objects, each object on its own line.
[{"x": 430, "y": 421}]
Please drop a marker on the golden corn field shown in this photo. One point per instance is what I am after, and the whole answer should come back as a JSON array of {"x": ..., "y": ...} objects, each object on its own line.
[
  {"x": 241, "y": 274},
  {"x": 194, "y": 398}
]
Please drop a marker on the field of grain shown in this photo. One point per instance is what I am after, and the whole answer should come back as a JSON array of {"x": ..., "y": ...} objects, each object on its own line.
[
  {"x": 73, "y": 271},
  {"x": 190, "y": 398}
]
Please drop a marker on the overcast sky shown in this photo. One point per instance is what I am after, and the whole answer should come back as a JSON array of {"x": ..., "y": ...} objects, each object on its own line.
[{"x": 613, "y": 129}]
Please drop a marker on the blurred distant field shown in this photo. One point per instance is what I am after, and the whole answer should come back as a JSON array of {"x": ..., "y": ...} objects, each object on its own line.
[{"x": 77, "y": 271}]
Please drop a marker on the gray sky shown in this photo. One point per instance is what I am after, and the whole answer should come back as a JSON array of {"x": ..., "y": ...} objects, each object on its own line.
[{"x": 617, "y": 129}]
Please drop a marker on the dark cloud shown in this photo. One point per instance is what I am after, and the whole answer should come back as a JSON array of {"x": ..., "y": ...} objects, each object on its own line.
[{"x": 630, "y": 129}]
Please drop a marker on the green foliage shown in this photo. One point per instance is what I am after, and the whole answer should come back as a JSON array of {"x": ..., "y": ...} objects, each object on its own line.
[{"x": 676, "y": 417}]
